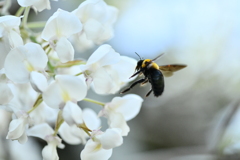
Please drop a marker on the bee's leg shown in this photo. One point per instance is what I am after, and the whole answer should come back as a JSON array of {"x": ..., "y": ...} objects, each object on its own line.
[
  {"x": 134, "y": 84},
  {"x": 144, "y": 82},
  {"x": 149, "y": 93}
]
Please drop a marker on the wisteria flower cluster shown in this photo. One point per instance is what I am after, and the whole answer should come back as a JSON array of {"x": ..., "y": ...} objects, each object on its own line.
[{"x": 42, "y": 82}]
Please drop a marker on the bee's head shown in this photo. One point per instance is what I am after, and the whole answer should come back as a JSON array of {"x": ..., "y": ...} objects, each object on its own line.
[{"x": 139, "y": 65}]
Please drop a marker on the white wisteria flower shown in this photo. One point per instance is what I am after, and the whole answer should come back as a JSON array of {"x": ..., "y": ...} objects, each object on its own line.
[
  {"x": 107, "y": 70},
  {"x": 124, "y": 69},
  {"x": 38, "y": 5},
  {"x": 23, "y": 100},
  {"x": 120, "y": 110},
  {"x": 97, "y": 69},
  {"x": 63, "y": 93},
  {"x": 18, "y": 126},
  {"x": 45, "y": 132},
  {"x": 73, "y": 134},
  {"x": 101, "y": 144},
  {"x": 59, "y": 27},
  {"x": 38, "y": 81},
  {"x": 10, "y": 35},
  {"x": 42, "y": 83},
  {"x": 97, "y": 18},
  {"x": 6, "y": 93},
  {"x": 22, "y": 60}
]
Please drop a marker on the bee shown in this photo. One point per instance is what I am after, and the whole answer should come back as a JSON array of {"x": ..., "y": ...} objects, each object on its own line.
[{"x": 154, "y": 74}]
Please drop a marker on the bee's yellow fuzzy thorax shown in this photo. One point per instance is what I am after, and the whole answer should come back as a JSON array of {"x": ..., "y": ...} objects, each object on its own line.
[
  {"x": 155, "y": 65},
  {"x": 149, "y": 63}
]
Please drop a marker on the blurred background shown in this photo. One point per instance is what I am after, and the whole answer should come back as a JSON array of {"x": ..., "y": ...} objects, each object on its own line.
[{"x": 197, "y": 117}]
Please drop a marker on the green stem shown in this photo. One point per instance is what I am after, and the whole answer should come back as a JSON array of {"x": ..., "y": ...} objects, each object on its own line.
[
  {"x": 36, "y": 104},
  {"x": 70, "y": 64},
  {"x": 26, "y": 12},
  {"x": 19, "y": 12},
  {"x": 59, "y": 122},
  {"x": 93, "y": 101},
  {"x": 85, "y": 129},
  {"x": 79, "y": 74},
  {"x": 48, "y": 48},
  {"x": 36, "y": 24},
  {"x": 50, "y": 66}
]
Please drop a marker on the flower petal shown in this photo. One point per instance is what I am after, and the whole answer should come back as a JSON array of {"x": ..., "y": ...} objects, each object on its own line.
[
  {"x": 16, "y": 128},
  {"x": 91, "y": 119},
  {"x": 40, "y": 5},
  {"x": 125, "y": 68},
  {"x": 72, "y": 134},
  {"x": 14, "y": 64},
  {"x": 36, "y": 56},
  {"x": 15, "y": 39},
  {"x": 23, "y": 139},
  {"x": 95, "y": 9},
  {"x": 104, "y": 55},
  {"x": 111, "y": 138},
  {"x": 93, "y": 151},
  {"x": 23, "y": 60},
  {"x": 49, "y": 152},
  {"x": 61, "y": 24},
  {"x": 103, "y": 83},
  {"x": 40, "y": 131},
  {"x": 38, "y": 81},
  {"x": 98, "y": 19},
  {"x": 64, "y": 50},
  {"x": 116, "y": 120},
  {"x": 25, "y": 3},
  {"x": 6, "y": 94},
  {"x": 65, "y": 88},
  {"x": 93, "y": 29},
  {"x": 72, "y": 113},
  {"x": 10, "y": 21},
  {"x": 80, "y": 42},
  {"x": 5, "y": 49},
  {"x": 124, "y": 103},
  {"x": 52, "y": 96},
  {"x": 74, "y": 86}
]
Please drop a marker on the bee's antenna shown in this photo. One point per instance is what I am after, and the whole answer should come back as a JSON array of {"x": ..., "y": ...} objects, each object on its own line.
[
  {"x": 158, "y": 57},
  {"x": 138, "y": 56}
]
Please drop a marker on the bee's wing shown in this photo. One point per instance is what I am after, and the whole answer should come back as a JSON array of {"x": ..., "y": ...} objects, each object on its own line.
[{"x": 168, "y": 70}]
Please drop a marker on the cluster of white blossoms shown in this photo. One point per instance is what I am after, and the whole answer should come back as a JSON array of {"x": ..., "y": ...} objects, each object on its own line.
[{"x": 42, "y": 82}]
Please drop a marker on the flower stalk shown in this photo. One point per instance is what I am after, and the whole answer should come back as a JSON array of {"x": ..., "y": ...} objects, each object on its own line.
[
  {"x": 36, "y": 104},
  {"x": 59, "y": 122},
  {"x": 70, "y": 64},
  {"x": 25, "y": 18},
  {"x": 33, "y": 25},
  {"x": 85, "y": 129},
  {"x": 94, "y": 101},
  {"x": 20, "y": 11}
]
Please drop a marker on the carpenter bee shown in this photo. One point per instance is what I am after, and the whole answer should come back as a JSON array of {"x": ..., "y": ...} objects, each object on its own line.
[{"x": 153, "y": 74}]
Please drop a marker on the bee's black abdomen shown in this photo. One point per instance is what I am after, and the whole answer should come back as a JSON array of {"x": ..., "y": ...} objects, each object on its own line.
[{"x": 157, "y": 81}]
